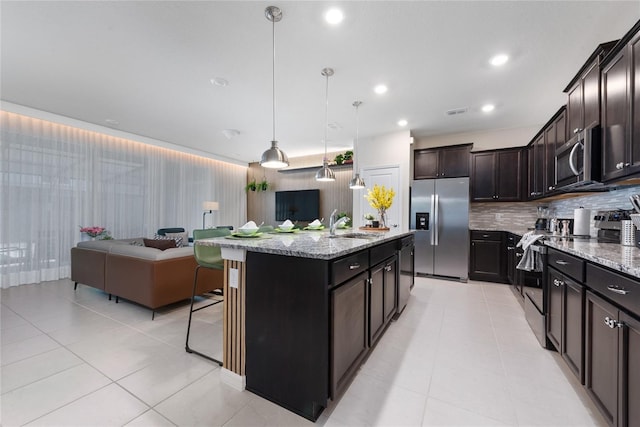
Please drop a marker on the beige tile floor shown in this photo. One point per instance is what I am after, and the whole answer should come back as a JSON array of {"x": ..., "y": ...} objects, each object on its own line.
[{"x": 460, "y": 355}]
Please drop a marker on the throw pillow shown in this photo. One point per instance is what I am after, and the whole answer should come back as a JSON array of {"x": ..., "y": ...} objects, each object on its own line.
[
  {"x": 178, "y": 239},
  {"x": 135, "y": 243},
  {"x": 184, "y": 236},
  {"x": 161, "y": 244}
]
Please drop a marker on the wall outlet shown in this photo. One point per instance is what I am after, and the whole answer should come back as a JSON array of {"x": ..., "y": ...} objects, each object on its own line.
[{"x": 233, "y": 278}]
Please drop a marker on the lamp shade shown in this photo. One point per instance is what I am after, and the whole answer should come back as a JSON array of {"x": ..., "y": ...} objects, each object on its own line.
[
  {"x": 210, "y": 206},
  {"x": 325, "y": 174},
  {"x": 356, "y": 183},
  {"x": 274, "y": 157}
]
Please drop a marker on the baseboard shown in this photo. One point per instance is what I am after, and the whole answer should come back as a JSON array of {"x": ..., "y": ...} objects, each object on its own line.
[{"x": 239, "y": 382}]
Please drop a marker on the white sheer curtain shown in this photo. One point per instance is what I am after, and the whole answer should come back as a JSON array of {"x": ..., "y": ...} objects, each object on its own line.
[{"x": 56, "y": 178}]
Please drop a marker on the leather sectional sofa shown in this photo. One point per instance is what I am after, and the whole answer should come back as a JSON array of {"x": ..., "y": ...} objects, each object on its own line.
[{"x": 147, "y": 276}]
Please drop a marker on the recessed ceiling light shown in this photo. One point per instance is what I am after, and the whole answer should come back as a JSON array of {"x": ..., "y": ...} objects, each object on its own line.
[
  {"x": 219, "y": 81},
  {"x": 380, "y": 89},
  {"x": 402, "y": 122},
  {"x": 488, "y": 108},
  {"x": 230, "y": 133},
  {"x": 499, "y": 60},
  {"x": 112, "y": 122},
  {"x": 334, "y": 16}
]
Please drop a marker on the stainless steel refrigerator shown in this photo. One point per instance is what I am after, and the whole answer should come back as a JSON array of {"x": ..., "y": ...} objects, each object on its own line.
[{"x": 440, "y": 216}]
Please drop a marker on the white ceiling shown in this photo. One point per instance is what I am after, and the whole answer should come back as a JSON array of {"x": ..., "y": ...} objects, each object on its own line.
[{"x": 148, "y": 65}]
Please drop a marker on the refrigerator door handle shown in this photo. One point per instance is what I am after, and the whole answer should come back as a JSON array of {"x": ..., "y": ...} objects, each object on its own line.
[
  {"x": 433, "y": 220},
  {"x": 436, "y": 221}
]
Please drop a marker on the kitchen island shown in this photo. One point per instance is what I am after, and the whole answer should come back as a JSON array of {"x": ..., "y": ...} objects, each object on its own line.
[{"x": 302, "y": 310}]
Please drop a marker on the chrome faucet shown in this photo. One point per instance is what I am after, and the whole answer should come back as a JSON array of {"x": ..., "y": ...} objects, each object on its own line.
[{"x": 333, "y": 224}]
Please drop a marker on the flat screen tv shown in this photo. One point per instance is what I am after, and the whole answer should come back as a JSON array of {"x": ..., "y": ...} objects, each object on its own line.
[{"x": 300, "y": 205}]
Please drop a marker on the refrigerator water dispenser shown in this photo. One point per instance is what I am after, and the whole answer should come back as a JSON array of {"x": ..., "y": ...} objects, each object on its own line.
[{"x": 422, "y": 220}]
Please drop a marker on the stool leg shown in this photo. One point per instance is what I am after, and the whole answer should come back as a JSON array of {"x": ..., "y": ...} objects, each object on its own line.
[
  {"x": 75, "y": 286},
  {"x": 193, "y": 297}
]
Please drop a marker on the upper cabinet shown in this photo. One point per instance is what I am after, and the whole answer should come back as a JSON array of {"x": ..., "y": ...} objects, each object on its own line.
[
  {"x": 620, "y": 114},
  {"x": 583, "y": 93},
  {"x": 542, "y": 153},
  {"x": 442, "y": 162},
  {"x": 497, "y": 175}
]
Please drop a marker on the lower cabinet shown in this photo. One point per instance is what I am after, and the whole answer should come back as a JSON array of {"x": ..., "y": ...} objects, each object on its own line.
[
  {"x": 382, "y": 297},
  {"x": 487, "y": 258},
  {"x": 612, "y": 348},
  {"x": 349, "y": 344}
]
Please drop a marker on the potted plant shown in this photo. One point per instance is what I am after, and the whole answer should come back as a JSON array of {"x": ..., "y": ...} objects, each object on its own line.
[
  {"x": 339, "y": 159},
  {"x": 263, "y": 185},
  {"x": 251, "y": 186},
  {"x": 348, "y": 157}
]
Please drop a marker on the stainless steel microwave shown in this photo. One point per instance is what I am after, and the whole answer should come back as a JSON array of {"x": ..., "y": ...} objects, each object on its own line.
[{"x": 579, "y": 161}]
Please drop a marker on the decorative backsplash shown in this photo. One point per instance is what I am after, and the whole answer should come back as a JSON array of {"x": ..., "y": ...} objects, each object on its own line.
[{"x": 487, "y": 216}]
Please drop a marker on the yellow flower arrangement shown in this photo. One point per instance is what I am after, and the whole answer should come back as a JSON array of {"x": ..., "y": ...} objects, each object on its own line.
[{"x": 380, "y": 199}]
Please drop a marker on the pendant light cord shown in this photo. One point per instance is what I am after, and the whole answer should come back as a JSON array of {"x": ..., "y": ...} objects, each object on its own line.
[
  {"x": 355, "y": 145},
  {"x": 326, "y": 119},
  {"x": 273, "y": 33}
]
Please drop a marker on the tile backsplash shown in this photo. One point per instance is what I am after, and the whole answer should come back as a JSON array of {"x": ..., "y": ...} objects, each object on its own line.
[{"x": 524, "y": 214}]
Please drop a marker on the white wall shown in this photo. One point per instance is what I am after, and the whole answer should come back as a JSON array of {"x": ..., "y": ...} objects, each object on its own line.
[
  {"x": 483, "y": 140},
  {"x": 387, "y": 150}
]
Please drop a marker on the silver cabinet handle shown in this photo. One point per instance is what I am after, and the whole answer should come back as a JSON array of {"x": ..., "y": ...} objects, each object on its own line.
[
  {"x": 617, "y": 289},
  {"x": 577, "y": 130},
  {"x": 387, "y": 268},
  {"x": 613, "y": 323},
  {"x": 519, "y": 255},
  {"x": 557, "y": 282},
  {"x": 561, "y": 262},
  {"x": 354, "y": 266}
]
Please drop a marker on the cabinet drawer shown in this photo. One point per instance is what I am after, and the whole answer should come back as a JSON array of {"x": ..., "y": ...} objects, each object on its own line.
[
  {"x": 381, "y": 252},
  {"x": 349, "y": 266},
  {"x": 494, "y": 236},
  {"x": 567, "y": 264},
  {"x": 620, "y": 289}
]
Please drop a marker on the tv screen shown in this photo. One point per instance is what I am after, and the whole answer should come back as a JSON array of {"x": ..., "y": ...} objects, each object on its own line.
[{"x": 300, "y": 205}]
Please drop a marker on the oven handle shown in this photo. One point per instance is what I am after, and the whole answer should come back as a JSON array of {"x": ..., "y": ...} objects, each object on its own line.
[{"x": 572, "y": 161}]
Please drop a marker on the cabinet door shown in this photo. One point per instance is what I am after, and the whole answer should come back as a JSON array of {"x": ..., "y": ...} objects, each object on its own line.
[
  {"x": 554, "y": 308},
  {"x": 348, "y": 330},
  {"x": 509, "y": 176},
  {"x": 601, "y": 356},
  {"x": 574, "y": 109},
  {"x": 454, "y": 162},
  {"x": 531, "y": 171},
  {"x": 591, "y": 96},
  {"x": 615, "y": 89},
  {"x": 573, "y": 327},
  {"x": 630, "y": 372},
  {"x": 390, "y": 291},
  {"x": 483, "y": 177},
  {"x": 425, "y": 164},
  {"x": 634, "y": 72},
  {"x": 487, "y": 261},
  {"x": 376, "y": 303}
]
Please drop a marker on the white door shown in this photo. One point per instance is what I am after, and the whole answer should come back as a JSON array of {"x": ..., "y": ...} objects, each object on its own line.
[{"x": 388, "y": 176}]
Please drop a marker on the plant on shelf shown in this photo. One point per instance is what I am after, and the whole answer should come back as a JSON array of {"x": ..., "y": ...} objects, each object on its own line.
[
  {"x": 345, "y": 158},
  {"x": 96, "y": 232},
  {"x": 339, "y": 159}
]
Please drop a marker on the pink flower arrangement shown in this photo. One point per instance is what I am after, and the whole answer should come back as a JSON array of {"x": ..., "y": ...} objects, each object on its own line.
[{"x": 93, "y": 231}]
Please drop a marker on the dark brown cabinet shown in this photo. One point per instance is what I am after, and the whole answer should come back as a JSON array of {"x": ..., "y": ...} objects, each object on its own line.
[
  {"x": 583, "y": 93},
  {"x": 382, "y": 298},
  {"x": 612, "y": 345},
  {"x": 497, "y": 175},
  {"x": 565, "y": 308},
  {"x": 536, "y": 161},
  {"x": 487, "y": 258},
  {"x": 619, "y": 115},
  {"x": 442, "y": 162},
  {"x": 541, "y": 154},
  {"x": 349, "y": 344}
]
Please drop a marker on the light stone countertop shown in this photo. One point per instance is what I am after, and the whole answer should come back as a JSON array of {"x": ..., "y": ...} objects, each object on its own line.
[
  {"x": 625, "y": 259},
  {"x": 307, "y": 244}
]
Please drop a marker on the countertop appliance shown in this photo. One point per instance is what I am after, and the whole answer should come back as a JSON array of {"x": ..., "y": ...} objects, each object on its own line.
[
  {"x": 578, "y": 161},
  {"x": 440, "y": 216},
  {"x": 609, "y": 224}
]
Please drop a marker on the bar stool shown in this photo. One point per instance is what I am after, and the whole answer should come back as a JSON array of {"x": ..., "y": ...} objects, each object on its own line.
[{"x": 207, "y": 257}]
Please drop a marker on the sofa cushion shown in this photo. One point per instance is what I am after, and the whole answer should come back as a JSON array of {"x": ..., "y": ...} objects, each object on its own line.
[
  {"x": 151, "y": 254},
  {"x": 161, "y": 244}
]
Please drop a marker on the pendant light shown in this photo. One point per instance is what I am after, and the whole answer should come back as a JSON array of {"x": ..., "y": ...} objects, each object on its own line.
[
  {"x": 326, "y": 174},
  {"x": 274, "y": 157},
  {"x": 356, "y": 183}
]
